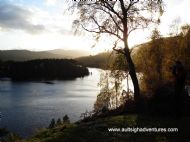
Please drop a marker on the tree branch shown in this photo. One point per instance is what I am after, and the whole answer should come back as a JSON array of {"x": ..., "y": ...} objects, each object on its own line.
[
  {"x": 112, "y": 19},
  {"x": 111, "y": 8},
  {"x": 118, "y": 50}
]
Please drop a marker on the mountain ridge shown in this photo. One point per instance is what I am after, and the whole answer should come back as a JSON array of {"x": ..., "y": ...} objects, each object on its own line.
[{"x": 24, "y": 55}]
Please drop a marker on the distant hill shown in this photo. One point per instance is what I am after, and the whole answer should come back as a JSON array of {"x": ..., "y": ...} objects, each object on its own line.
[
  {"x": 23, "y": 55},
  {"x": 69, "y": 53},
  {"x": 100, "y": 60}
]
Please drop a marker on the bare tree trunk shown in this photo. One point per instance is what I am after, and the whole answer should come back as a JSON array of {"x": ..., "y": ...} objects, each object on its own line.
[
  {"x": 127, "y": 82},
  {"x": 132, "y": 73},
  {"x": 116, "y": 90},
  {"x": 127, "y": 54}
]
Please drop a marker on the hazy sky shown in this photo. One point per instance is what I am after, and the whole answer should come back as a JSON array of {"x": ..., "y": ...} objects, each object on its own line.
[{"x": 42, "y": 25}]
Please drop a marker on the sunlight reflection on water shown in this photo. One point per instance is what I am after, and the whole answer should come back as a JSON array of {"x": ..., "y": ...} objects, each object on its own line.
[{"x": 26, "y": 106}]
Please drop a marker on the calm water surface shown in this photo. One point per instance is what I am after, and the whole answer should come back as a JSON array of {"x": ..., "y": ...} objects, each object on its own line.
[{"x": 27, "y": 106}]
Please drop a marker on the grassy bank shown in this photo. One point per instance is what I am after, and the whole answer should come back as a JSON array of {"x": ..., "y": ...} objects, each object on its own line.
[{"x": 97, "y": 131}]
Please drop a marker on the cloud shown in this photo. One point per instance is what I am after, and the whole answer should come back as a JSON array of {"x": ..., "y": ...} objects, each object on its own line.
[
  {"x": 50, "y": 2},
  {"x": 65, "y": 32},
  {"x": 18, "y": 18}
]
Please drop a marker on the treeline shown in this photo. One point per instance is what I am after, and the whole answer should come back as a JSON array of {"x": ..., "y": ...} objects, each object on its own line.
[
  {"x": 154, "y": 63},
  {"x": 101, "y": 60},
  {"x": 59, "y": 122},
  {"x": 42, "y": 69},
  {"x": 156, "y": 58}
]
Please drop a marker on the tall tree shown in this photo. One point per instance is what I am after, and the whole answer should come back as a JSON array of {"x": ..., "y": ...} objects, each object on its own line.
[{"x": 118, "y": 18}]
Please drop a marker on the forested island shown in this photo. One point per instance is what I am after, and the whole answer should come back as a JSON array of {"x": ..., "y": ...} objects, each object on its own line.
[{"x": 42, "y": 69}]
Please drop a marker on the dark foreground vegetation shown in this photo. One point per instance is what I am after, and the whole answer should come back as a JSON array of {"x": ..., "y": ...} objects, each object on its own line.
[
  {"x": 42, "y": 69},
  {"x": 99, "y": 130}
]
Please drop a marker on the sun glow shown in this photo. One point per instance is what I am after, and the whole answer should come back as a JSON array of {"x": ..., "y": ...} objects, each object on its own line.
[
  {"x": 52, "y": 41},
  {"x": 43, "y": 25}
]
